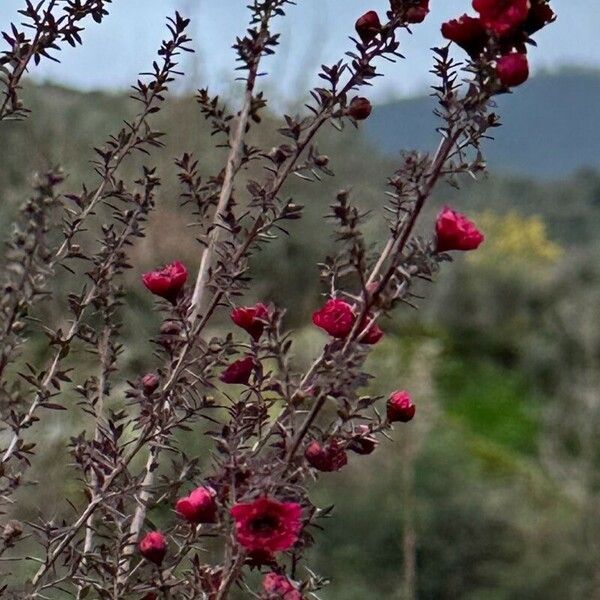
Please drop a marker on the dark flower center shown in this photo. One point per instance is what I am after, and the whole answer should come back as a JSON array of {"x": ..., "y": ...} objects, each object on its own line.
[{"x": 264, "y": 524}]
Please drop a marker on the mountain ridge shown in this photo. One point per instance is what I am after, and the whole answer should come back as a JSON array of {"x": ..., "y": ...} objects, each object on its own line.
[{"x": 550, "y": 128}]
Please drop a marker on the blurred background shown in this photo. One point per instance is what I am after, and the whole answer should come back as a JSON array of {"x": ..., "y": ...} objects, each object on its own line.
[{"x": 493, "y": 491}]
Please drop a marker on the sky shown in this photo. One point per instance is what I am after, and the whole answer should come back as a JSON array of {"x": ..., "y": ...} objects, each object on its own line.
[{"x": 316, "y": 32}]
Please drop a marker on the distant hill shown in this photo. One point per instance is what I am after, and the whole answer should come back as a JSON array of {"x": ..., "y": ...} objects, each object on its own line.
[{"x": 550, "y": 126}]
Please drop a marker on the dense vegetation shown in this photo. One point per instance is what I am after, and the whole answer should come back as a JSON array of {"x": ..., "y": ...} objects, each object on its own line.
[{"x": 504, "y": 489}]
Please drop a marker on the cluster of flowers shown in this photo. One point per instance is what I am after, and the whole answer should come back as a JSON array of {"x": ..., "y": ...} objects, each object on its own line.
[
  {"x": 504, "y": 27},
  {"x": 266, "y": 526}
]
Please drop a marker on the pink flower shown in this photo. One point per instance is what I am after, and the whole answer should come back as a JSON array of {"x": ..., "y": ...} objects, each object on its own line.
[
  {"x": 251, "y": 318},
  {"x": 400, "y": 407},
  {"x": 467, "y": 32},
  {"x": 336, "y": 318},
  {"x": 239, "y": 371},
  {"x": 199, "y": 506},
  {"x": 267, "y": 525},
  {"x": 279, "y": 587},
  {"x": 328, "y": 458},
  {"x": 368, "y": 26},
  {"x": 513, "y": 69},
  {"x": 502, "y": 17},
  {"x": 455, "y": 232},
  {"x": 360, "y": 108},
  {"x": 153, "y": 547},
  {"x": 167, "y": 282}
]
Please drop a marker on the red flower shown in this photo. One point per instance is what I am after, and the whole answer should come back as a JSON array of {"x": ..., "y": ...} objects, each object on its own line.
[
  {"x": 363, "y": 441},
  {"x": 199, "y": 506},
  {"x": 368, "y": 26},
  {"x": 267, "y": 525},
  {"x": 455, "y": 232},
  {"x": 400, "y": 407},
  {"x": 150, "y": 383},
  {"x": 336, "y": 318},
  {"x": 502, "y": 17},
  {"x": 153, "y": 547},
  {"x": 279, "y": 587},
  {"x": 373, "y": 334},
  {"x": 467, "y": 32},
  {"x": 360, "y": 108},
  {"x": 328, "y": 458},
  {"x": 251, "y": 318},
  {"x": 239, "y": 371},
  {"x": 167, "y": 282},
  {"x": 539, "y": 16},
  {"x": 513, "y": 69}
]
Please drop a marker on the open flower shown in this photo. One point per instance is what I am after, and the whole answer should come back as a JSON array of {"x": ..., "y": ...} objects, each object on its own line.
[
  {"x": 502, "y": 17},
  {"x": 467, "y": 32},
  {"x": 455, "y": 232},
  {"x": 239, "y": 371},
  {"x": 336, "y": 318},
  {"x": 167, "y": 282},
  {"x": 153, "y": 547},
  {"x": 279, "y": 587},
  {"x": 199, "y": 506},
  {"x": 400, "y": 407},
  {"x": 267, "y": 525},
  {"x": 251, "y": 318}
]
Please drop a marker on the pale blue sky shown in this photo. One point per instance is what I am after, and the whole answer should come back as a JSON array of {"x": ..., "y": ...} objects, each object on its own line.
[{"x": 316, "y": 32}]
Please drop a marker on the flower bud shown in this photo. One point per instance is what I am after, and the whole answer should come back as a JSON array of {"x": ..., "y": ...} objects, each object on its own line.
[
  {"x": 153, "y": 547},
  {"x": 199, "y": 506},
  {"x": 12, "y": 531},
  {"x": 455, "y": 232},
  {"x": 400, "y": 407},
  {"x": 373, "y": 334},
  {"x": 239, "y": 371},
  {"x": 326, "y": 458},
  {"x": 414, "y": 14},
  {"x": 360, "y": 108},
  {"x": 336, "y": 318},
  {"x": 513, "y": 69},
  {"x": 150, "y": 383},
  {"x": 368, "y": 26},
  {"x": 170, "y": 328}
]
